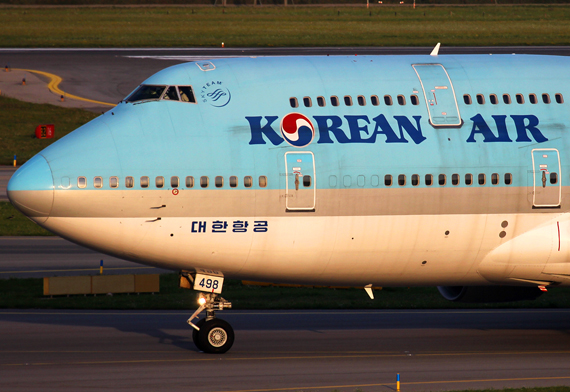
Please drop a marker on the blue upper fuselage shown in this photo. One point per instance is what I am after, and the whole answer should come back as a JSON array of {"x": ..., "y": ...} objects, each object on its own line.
[{"x": 234, "y": 126}]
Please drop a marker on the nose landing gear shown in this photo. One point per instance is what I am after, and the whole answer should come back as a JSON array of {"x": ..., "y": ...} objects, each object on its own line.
[{"x": 210, "y": 334}]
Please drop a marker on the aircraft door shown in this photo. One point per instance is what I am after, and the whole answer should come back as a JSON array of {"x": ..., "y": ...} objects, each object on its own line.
[
  {"x": 547, "y": 179},
  {"x": 439, "y": 95},
  {"x": 300, "y": 188}
]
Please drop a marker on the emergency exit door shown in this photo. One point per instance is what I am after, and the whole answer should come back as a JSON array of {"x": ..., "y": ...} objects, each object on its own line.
[
  {"x": 439, "y": 95},
  {"x": 300, "y": 181},
  {"x": 547, "y": 182}
]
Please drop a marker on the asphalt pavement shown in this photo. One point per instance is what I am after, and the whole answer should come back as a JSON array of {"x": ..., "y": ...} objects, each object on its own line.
[{"x": 285, "y": 351}]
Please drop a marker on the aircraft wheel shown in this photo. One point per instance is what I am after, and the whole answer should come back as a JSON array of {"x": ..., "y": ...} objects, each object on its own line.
[
  {"x": 215, "y": 336},
  {"x": 196, "y": 334}
]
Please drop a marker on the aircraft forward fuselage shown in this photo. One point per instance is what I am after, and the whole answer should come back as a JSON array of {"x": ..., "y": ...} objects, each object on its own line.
[{"x": 340, "y": 170}]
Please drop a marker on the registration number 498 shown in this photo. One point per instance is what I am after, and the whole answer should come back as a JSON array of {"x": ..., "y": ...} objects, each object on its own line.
[{"x": 208, "y": 283}]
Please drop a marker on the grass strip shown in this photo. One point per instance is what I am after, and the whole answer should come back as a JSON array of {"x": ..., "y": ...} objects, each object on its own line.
[
  {"x": 284, "y": 26},
  {"x": 13, "y": 222},
  {"x": 28, "y": 293},
  {"x": 18, "y": 122}
]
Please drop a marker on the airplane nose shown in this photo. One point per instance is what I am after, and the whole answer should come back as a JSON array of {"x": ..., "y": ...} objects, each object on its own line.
[{"x": 31, "y": 189}]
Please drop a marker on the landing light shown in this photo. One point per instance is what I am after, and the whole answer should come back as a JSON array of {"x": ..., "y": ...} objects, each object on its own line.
[{"x": 201, "y": 301}]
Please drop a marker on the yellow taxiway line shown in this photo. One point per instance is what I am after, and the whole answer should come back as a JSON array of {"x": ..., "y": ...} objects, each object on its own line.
[
  {"x": 54, "y": 82},
  {"x": 388, "y": 384}
]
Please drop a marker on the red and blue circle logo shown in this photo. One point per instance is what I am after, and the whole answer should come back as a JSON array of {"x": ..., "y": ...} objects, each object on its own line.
[{"x": 297, "y": 130}]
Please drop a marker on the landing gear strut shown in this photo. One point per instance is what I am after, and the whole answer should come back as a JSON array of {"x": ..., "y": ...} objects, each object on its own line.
[{"x": 210, "y": 334}]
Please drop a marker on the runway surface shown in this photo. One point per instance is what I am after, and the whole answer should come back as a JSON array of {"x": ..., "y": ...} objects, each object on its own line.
[
  {"x": 37, "y": 257},
  {"x": 286, "y": 351}
]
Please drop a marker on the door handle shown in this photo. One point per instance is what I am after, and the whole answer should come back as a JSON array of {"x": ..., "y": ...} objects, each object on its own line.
[{"x": 543, "y": 179}]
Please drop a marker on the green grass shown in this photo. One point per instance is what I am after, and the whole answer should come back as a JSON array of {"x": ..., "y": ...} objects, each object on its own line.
[
  {"x": 18, "y": 122},
  {"x": 13, "y": 222},
  {"x": 28, "y": 293},
  {"x": 283, "y": 26}
]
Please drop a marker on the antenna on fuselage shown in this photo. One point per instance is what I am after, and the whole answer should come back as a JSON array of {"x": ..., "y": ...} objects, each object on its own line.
[{"x": 435, "y": 50}]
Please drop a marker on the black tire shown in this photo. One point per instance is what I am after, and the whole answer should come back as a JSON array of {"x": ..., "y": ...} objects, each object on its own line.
[
  {"x": 215, "y": 336},
  {"x": 196, "y": 333}
]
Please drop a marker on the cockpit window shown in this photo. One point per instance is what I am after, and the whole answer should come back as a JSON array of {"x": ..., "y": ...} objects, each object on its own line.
[
  {"x": 171, "y": 94},
  {"x": 186, "y": 94},
  {"x": 147, "y": 92},
  {"x": 168, "y": 93}
]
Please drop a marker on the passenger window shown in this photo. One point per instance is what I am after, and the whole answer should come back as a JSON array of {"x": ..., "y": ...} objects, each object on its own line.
[
  {"x": 494, "y": 178},
  {"x": 307, "y": 102},
  {"x": 247, "y": 181},
  {"x": 481, "y": 179},
  {"x": 204, "y": 181},
  {"x": 360, "y": 180},
  {"x": 469, "y": 179},
  {"x": 507, "y": 99},
  {"x": 293, "y": 102},
  {"x": 520, "y": 99},
  {"x": 348, "y": 100},
  {"x": 493, "y": 99},
  {"x": 189, "y": 182},
  {"x": 332, "y": 181},
  {"x": 129, "y": 182},
  {"x": 186, "y": 94},
  {"x": 321, "y": 101},
  {"x": 508, "y": 178},
  {"x": 455, "y": 179},
  {"x": 442, "y": 179},
  {"x": 81, "y": 182},
  {"x": 219, "y": 181},
  {"x": 467, "y": 99},
  {"x": 545, "y": 98},
  {"x": 401, "y": 100},
  {"x": 388, "y": 180},
  {"x": 559, "y": 98},
  {"x": 171, "y": 94},
  {"x": 114, "y": 182},
  {"x": 414, "y": 99},
  {"x": 415, "y": 180},
  {"x": 334, "y": 100},
  {"x": 429, "y": 180},
  {"x": 375, "y": 101},
  {"x": 159, "y": 181},
  {"x": 361, "y": 100},
  {"x": 262, "y": 181},
  {"x": 388, "y": 100},
  {"x": 98, "y": 182},
  {"x": 532, "y": 99},
  {"x": 347, "y": 181},
  {"x": 233, "y": 181},
  {"x": 402, "y": 179},
  {"x": 306, "y": 181},
  {"x": 374, "y": 181},
  {"x": 174, "y": 182},
  {"x": 480, "y": 99},
  {"x": 144, "y": 182},
  {"x": 553, "y": 178}
]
